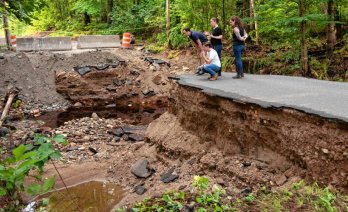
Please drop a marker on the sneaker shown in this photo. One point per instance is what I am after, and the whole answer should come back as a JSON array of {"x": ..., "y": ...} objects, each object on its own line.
[
  {"x": 213, "y": 78},
  {"x": 237, "y": 76}
]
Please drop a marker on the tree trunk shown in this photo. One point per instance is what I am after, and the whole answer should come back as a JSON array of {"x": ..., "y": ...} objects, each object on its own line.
[
  {"x": 223, "y": 15},
  {"x": 253, "y": 15},
  {"x": 87, "y": 18},
  {"x": 110, "y": 6},
  {"x": 331, "y": 29},
  {"x": 7, "y": 32},
  {"x": 304, "y": 50},
  {"x": 168, "y": 22},
  {"x": 246, "y": 12}
]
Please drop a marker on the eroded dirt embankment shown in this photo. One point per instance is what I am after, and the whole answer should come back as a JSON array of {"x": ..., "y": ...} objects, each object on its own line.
[{"x": 291, "y": 142}]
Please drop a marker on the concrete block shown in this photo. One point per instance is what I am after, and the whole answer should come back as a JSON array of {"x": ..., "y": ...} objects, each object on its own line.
[
  {"x": 44, "y": 44},
  {"x": 2, "y": 41},
  {"x": 98, "y": 41}
]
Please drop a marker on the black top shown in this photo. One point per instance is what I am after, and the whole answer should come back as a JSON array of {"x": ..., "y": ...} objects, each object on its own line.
[
  {"x": 217, "y": 31},
  {"x": 235, "y": 40},
  {"x": 198, "y": 36}
]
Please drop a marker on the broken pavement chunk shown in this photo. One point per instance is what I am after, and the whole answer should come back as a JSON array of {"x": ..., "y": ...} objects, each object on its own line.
[{"x": 82, "y": 70}]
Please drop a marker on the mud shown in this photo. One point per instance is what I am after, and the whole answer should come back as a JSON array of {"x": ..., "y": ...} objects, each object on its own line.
[{"x": 292, "y": 142}]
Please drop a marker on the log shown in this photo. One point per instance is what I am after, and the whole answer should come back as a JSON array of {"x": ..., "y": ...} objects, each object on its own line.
[{"x": 12, "y": 95}]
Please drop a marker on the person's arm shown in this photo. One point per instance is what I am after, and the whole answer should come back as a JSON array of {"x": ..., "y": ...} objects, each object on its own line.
[
  {"x": 206, "y": 59},
  {"x": 237, "y": 33},
  {"x": 199, "y": 45},
  {"x": 217, "y": 37}
]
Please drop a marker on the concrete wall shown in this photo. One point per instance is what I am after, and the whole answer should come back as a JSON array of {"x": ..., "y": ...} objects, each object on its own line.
[
  {"x": 41, "y": 44},
  {"x": 98, "y": 41}
]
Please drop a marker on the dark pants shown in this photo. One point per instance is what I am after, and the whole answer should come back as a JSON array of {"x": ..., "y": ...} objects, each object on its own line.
[
  {"x": 238, "y": 51},
  {"x": 218, "y": 49}
]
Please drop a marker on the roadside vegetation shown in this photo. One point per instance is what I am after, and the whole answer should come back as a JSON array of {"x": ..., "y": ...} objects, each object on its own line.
[
  {"x": 23, "y": 164},
  {"x": 204, "y": 197}
]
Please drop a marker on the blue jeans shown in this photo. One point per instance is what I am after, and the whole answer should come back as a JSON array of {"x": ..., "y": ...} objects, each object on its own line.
[
  {"x": 212, "y": 69},
  {"x": 238, "y": 51},
  {"x": 218, "y": 49}
]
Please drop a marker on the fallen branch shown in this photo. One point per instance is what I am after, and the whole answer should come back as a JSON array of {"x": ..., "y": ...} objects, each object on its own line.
[{"x": 12, "y": 94}]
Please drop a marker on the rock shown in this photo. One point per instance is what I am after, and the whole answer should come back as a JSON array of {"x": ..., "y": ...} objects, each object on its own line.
[
  {"x": 182, "y": 187},
  {"x": 184, "y": 68},
  {"x": 221, "y": 181},
  {"x": 4, "y": 131},
  {"x": 245, "y": 192},
  {"x": 116, "y": 139},
  {"x": 125, "y": 137},
  {"x": 148, "y": 92},
  {"x": 140, "y": 190},
  {"x": 157, "y": 79},
  {"x": 78, "y": 104},
  {"x": 117, "y": 132},
  {"x": 135, "y": 72},
  {"x": 118, "y": 82},
  {"x": 136, "y": 137},
  {"x": 111, "y": 88},
  {"x": 157, "y": 66},
  {"x": 141, "y": 169},
  {"x": 93, "y": 150},
  {"x": 246, "y": 163},
  {"x": 280, "y": 179},
  {"x": 325, "y": 151},
  {"x": 168, "y": 176},
  {"x": 86, "y": 138},
  {"x": 72, "y": 149},
  {"x": 95, "y": 116},
  {"x": 2, "y": 56}
]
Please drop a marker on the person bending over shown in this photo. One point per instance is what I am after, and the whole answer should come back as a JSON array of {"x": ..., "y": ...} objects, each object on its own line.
[
  {"x": 197, "y": 37},
  {"x": 212, "y": 62}
]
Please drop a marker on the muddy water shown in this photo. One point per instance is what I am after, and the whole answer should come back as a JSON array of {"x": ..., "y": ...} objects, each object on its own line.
[{"x": 92, "y": 196}]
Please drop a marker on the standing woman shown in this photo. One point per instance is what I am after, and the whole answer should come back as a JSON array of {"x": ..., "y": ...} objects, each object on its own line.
[
  {"x": 216, "y": 38},
  {"x": 238, "y": 41}
]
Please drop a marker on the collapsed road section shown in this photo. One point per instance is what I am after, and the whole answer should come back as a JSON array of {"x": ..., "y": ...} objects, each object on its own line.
[{"x": 256, "y": 117}]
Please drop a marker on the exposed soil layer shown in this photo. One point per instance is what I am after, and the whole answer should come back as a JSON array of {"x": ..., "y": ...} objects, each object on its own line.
[{"x": 290, "y": 141}]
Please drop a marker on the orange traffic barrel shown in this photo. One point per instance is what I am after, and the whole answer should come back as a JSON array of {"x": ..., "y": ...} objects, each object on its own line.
[
  {"x": 13, "y": 40},
  {"x": 126, "y": 40}
]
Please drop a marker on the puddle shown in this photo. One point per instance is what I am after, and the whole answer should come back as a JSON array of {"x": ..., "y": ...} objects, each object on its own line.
[{"x": 91, "y": 196}]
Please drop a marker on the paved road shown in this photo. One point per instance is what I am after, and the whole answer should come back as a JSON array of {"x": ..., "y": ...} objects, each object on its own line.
[{"x": 324, "y": 98}]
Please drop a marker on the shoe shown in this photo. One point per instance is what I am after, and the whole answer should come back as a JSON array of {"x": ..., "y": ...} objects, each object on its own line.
[
  {"x": 213, "y": 78},
  {"x": 242, "y": 75},
  {"x": 237, "y": 76}
]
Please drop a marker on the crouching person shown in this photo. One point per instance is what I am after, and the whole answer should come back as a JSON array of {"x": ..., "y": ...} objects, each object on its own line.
[{"x": 212, "y": 62}]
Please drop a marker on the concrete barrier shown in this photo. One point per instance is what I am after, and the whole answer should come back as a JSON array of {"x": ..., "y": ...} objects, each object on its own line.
[
  {"x": 98, "y": 41},
  {"x": 2, "y": 41},
  {"x": 44, "y": 44}
]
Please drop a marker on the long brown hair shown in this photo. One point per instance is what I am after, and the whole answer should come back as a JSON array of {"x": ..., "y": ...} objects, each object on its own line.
[{"x": 237, "y": 21}]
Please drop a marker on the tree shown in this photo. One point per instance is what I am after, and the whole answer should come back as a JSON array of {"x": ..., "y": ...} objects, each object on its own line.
[
  {"x": 331, "y": 28},
  {"x": 303, "y": 41},
  {"x": 168, "y": 22}
]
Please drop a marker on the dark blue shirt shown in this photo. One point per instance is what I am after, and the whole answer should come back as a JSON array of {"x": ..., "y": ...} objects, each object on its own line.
[{"x": 195, "y": 36}]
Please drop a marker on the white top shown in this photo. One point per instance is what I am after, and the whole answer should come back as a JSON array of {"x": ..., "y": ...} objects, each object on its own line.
[{"x": 214, "y": 57}]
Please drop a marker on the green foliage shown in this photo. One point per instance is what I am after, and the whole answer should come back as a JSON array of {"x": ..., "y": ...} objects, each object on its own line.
[
  {"x": 299, "y": 196},
  {"x": 27, "y": 159},
  {"x": 16, "y": 104}
]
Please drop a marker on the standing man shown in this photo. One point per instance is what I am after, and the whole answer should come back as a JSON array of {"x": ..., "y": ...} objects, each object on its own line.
[
  {"x": 198, "y": 38},
  {"x": 216, "y": 37}
]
